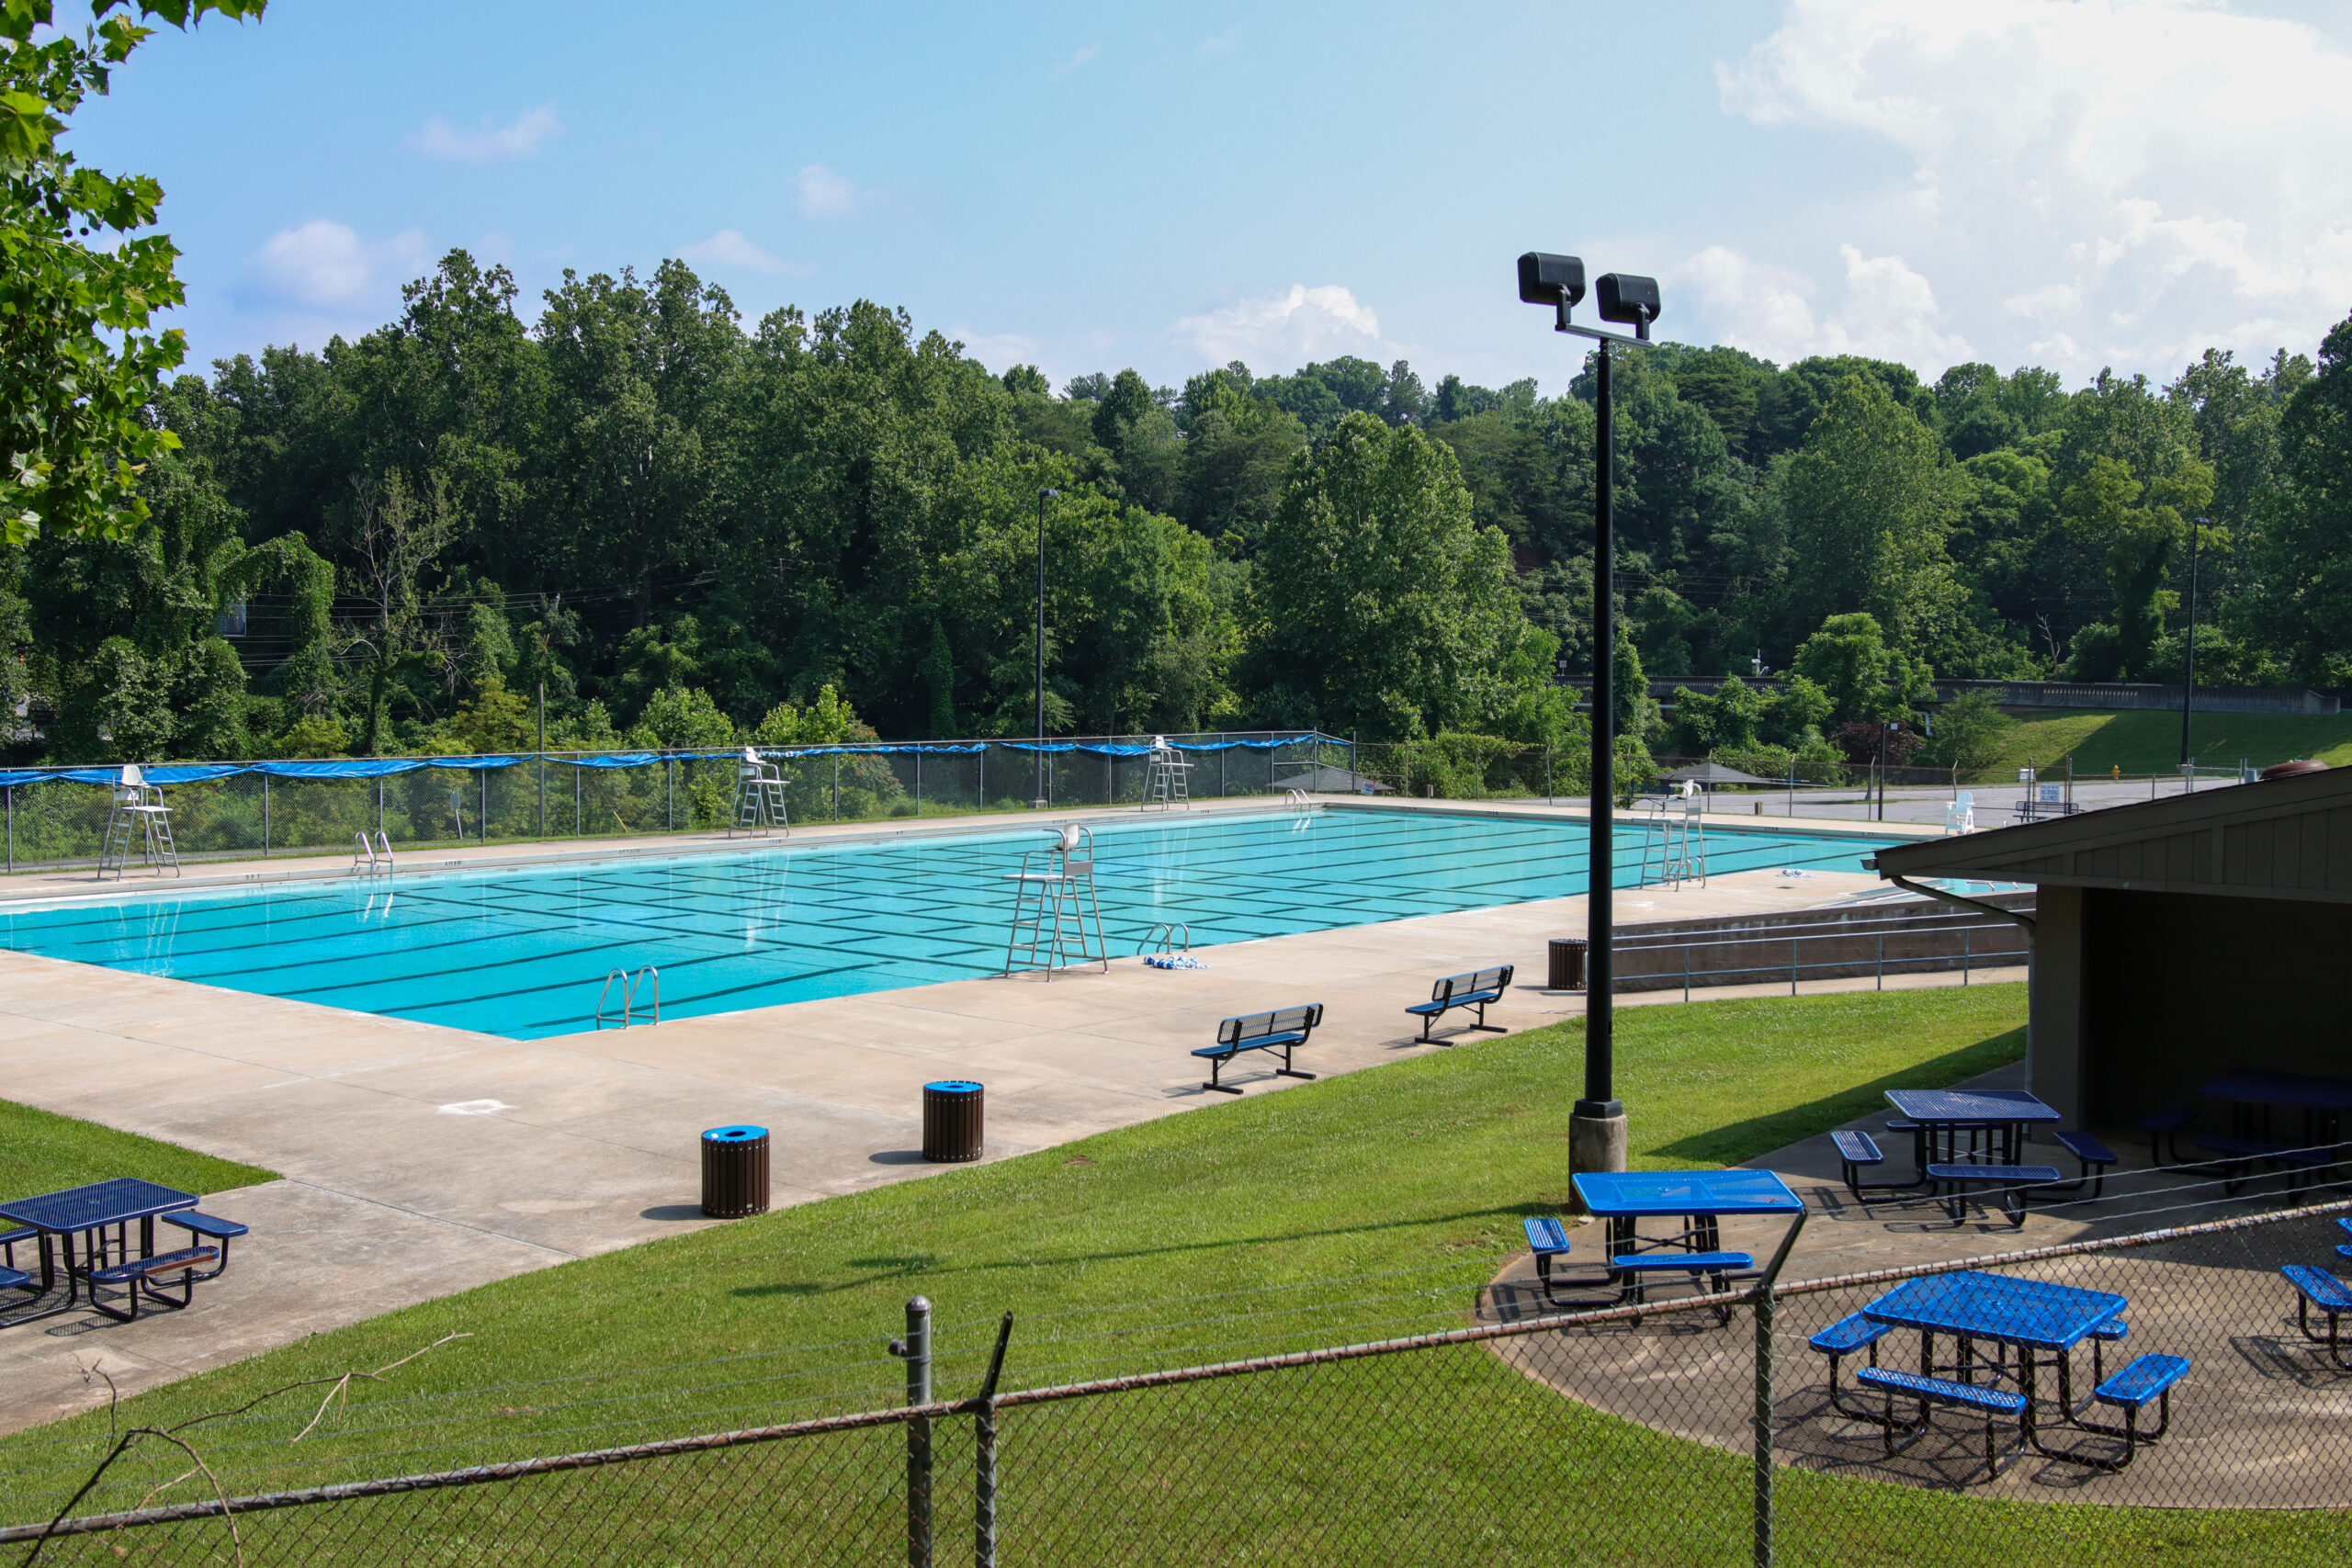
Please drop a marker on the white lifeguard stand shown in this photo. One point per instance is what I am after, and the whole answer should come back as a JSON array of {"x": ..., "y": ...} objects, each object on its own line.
[
  {"x": 140, "y": 818},
  {"x": 1674, "y": 840},
  {"x": 1960, "y": 817},
  {"x": 759, "y": 797},
  {"x": 1167, "y": 778},
  {"x": 1057, "y": 920}
]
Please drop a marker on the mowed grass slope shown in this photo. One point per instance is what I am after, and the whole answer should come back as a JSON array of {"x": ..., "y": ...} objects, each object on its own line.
[
  {"x": 41, "y": 1152},
  {"x": 1367, "y": 1205},
  {"x": 2150, "y": 742}
]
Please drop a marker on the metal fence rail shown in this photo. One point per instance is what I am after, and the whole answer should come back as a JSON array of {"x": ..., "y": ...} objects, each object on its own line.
[
  {"x": 1744, "y": 953},
  {"x": 1670, "y": 1431},
  {"x": 56, "y": 816}
]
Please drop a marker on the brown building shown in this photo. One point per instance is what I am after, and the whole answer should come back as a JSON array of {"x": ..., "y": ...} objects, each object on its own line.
[{"x": 2177, "y": 940}]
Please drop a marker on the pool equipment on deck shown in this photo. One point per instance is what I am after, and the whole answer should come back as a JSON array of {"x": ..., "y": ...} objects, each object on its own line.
[
  {"x": 1674, "y": 841},
  {"x": 1166, "y": 779},
  {"x": 1056, "y": 920},
  {"x": 759, "y": 797},
  {"x": 140, "y": 818}
]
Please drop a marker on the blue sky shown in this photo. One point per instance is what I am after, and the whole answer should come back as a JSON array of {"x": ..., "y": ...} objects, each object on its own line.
[{"x": 2074, "y": 183}]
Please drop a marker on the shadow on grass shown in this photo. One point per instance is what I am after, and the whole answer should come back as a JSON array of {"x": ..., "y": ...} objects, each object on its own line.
[
  {"x": 1738, "y": 1141},
  {"x": 887, "y": 1269}
]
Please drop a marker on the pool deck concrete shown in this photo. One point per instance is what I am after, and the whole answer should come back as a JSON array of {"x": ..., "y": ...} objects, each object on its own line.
[{"x": 418, "y": 1160}]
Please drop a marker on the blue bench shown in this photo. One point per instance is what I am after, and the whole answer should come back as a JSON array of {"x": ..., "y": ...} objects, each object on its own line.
[
  {"x": 1471, "y": 990},
  {"x": 1284, "y": 1029},
  {"x": 1857, "y": 1150},
  {"x": 14, "y": 1279},
  {"x": 8, "y": 1240},
  {"x": 213, "y": 1229},
  {"x": 2163, "y": 1126},
  {"x": 2094, "y": 1155},
  {"x": 1994, "y": 1402},
  {"x": 2341, "y": 1250},
  {"x": 1841, "y": 1339},
  {"x": 1716, "y": 1266},
  {"x": 2013, "y": 1180},
  {"x": 137, "y": 1276},
  {"x": 1548, "y": 1239},
  {"x": 2318, "y": 1288},
  {"x": 2131, "y": 1390}
]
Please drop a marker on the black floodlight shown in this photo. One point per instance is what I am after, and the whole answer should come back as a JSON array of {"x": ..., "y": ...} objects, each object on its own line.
[
  {"x": 1627, "y": 298},
  {"x": 1557, "y": 281}
]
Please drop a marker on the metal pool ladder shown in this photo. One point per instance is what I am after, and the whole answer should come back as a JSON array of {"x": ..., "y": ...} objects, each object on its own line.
[
  {"x": 361, "y": 847},
  {"x": 631, "y": 985}
]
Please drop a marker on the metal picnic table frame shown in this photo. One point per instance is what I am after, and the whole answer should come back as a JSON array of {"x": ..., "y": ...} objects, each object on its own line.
[
  {"x": 1944, "y": 1115},
  {"x": 2038, "y": 1319},
  {"x": 1698, "y": 1198},
  {"x": 90, "y": 1210}
]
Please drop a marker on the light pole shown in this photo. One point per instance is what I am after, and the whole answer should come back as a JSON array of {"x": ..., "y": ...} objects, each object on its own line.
[
  {"x": 1037, "y": 793},
  {"x": 1597, "y": 1126},
  {"x": 2188, "y": 682}
]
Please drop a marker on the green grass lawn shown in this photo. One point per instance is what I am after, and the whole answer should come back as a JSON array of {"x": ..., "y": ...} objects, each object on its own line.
[
  {"x": 1363, "y": 1206},
  {"x": 44, "y": 1153},
  {"x": 2150, "y": 742}
]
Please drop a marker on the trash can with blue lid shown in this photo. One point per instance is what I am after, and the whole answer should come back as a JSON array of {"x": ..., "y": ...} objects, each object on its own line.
[
  {"x": 951, "y": 1121},
  {"x": 734, "y": 1172}
]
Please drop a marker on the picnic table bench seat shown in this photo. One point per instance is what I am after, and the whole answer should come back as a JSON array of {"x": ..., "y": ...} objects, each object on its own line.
[
  {"x": 1992, "y": 1401},
  {"x": 1474, "y": 990},
  {"x": 2316, "y": 1288},
  {"x": 2239, "y": 1157},
  {"x": 1842, "y": 1338},
  {"x": 1547, "y": 1238},
  {"x": 138, "y": 1276},
  {"x": 1857, "y": 1152},
  {"x": 9, "y": 1238},
  {"x": 2011, "y": 1180},
  {"x": 2132, "y": 1389},
  {"x": 1716, "y": 1266},
  {"x": 2165, "y": 1126},
  {"x": 2092, "y": 1153},
  {"x": 1284, "y": 1029},
  {"x": 14, "y": 1279},
  {"x": 214, "y": 1229}
]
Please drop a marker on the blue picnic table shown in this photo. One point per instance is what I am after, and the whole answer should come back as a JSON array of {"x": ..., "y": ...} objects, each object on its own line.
[
  {"x": 1698, "y": 1199},
  {"x": 2041, "y": 1322},
  {"x": 1999, "y": 1117},
  {"x": 86, "y": 1214}
]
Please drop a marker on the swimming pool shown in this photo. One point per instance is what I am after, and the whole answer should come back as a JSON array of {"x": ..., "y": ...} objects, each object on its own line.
[{"x": 523, "y": 952}]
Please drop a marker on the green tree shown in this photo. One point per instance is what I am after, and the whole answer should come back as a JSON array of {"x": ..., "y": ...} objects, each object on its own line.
[
  {"x": 683, "y": 717},
  {"x": 1378, "y": 604},
  {"x": 1970, "y": 732},
  {"x": 1869, "y": 500},
  {"x": 2301, "y": 604},
  {"x": 1865, "y": 680},
  {"x": 81, "y": 359}
]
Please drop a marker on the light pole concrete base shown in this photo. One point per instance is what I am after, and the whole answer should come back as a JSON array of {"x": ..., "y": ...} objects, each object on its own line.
[{"x": 1595, "y": 1143}]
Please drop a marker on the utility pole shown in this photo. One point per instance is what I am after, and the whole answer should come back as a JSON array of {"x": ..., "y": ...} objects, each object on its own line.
[
  {"x": 1038, "y": 796},
  {"x": 2188, "y": 685}
]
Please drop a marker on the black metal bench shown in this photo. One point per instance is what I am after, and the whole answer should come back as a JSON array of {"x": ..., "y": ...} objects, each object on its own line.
[
  {"x": 1471, "y": 990},
  {"x": 1952, "y": 1183},
  {"x": 2094, "y": 1155},
  {"x": 2146, "y": 1380},
  {"x": 1284, "y": 1029}
]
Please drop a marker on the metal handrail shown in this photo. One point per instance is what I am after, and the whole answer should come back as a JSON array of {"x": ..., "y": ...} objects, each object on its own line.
[
  {"x": 630, "y": 986},
  {"x": 1166, "y": 932}
]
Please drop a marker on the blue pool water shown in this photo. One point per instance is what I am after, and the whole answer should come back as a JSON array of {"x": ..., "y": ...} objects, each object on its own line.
[{"x": 524, "y": 953}]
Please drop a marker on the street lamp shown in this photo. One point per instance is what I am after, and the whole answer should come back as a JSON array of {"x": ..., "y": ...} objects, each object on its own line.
[
  {"x": 1597, "y": 1126},
  {"x": 1037, "y": 793}
]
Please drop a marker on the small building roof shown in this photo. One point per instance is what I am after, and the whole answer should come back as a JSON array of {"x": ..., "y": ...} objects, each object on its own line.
[{"x": 2288, "y": 837}]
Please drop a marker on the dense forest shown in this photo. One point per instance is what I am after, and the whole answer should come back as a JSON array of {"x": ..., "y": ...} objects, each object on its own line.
[{"x": 685, "y": 530}]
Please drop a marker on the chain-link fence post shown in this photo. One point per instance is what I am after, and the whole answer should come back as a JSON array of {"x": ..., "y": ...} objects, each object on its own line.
[
  {"x": 984, "y": 1462},
  {"x": 1764, "y": 1400},
  {"x": 915, "y": 1349}
]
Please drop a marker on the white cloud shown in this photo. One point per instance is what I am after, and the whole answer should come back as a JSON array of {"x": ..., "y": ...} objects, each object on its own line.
[
  {"x": 1888, "y": 311},
  {"x": 492, "y": 143},
  {"x": 1080, "y": 58},
  {"x": 2137, "y": 178},
  {"x": 1286, "y": 329},
  {"x": 729, "y": 248},
  {"x": 325, "y": 265},
  {"x": 824, "y": 194}
]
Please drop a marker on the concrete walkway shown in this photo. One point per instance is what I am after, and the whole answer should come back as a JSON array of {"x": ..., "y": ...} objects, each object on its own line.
[{"x": 421, "y": 1161}]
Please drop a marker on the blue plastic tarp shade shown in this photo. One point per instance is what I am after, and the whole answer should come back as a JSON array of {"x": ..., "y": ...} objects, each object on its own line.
[
  {"x": 1113, "y": 749},
  {"x": 478, "y": 764},
  {"x": 1038, "y": 745},
  {"x": 340, "y": 768},
  {"x": 618, "y": 760}
]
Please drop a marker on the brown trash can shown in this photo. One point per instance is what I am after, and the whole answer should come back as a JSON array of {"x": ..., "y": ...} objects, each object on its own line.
[
  {"x": 951, "y": 1121},
  {"x": 734, "y": 1172},
  {"x": 1567, "y": 963}
]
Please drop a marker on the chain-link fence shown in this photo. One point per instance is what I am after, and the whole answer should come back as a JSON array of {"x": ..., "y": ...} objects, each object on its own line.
[
  {"x": 57, "y": 817},
  {"x": 2134, "y": 1398}
]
